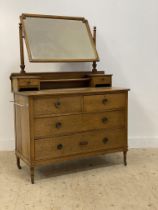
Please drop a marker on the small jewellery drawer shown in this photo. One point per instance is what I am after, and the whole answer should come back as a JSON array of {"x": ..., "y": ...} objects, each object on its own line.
[
  {"x": 79, "y": 143},
  {"x": 57, "y": 105},
  {"x": 47, "y": 127},
  {"x": 100, "y": 81},
  {"x": 28, "y": 82},
  {"x": 102, "y": 102}
]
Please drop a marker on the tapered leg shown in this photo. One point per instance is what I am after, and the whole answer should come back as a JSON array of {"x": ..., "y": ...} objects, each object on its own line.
[
  {"x": 32, "y": 174},
  {"x": 125, "y": 157},
  {"x": 18, "y": 162}
]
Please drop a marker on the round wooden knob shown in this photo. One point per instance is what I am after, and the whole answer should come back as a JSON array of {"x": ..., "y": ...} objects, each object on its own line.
[
  {"x": 58, "y": 125},
  {"x": 105, "y": 140},
  {"x": 104, "y": 119},
  {"x": 59, "y": 146},
  {"x": 105, "y": 100},
  {"x": 57, "y": 104},
  {"x": 29, "y": 82}
]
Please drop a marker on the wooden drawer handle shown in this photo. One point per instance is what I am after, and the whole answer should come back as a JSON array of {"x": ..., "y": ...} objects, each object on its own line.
[
  {"x": 29, "y": 82},
  {"x": 83, "y": 143},
  {"x": 58, "y": 125},
  {"x": 104, "y": 101},
  {"x": 59, "y": 146},
  {"x": 104, "y": 119},
  {"x": 57, "y": 104},
  {"x": 105, "y": 140}
]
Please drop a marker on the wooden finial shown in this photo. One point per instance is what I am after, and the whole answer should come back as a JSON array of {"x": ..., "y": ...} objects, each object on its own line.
[
  {"x": 22, "y": 65},
  {"x": 94, "y": 65}
]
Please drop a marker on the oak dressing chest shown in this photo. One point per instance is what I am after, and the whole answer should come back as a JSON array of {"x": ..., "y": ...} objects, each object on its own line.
[{"x": 65, "y": 115}]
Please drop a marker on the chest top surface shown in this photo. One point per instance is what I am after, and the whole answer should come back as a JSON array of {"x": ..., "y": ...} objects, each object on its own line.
[{"x": 72, "y": 91}]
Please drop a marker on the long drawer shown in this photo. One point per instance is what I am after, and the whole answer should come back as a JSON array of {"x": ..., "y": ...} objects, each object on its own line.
[
  {"x": 57, "y": 105},
  {"x": 103, "y": 102},
  {"x": 79, "y": 143},
  {"x": 47, "y": 127}
]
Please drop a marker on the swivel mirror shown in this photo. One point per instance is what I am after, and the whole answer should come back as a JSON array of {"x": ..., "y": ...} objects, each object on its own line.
[{"x": 58, "y": 39}]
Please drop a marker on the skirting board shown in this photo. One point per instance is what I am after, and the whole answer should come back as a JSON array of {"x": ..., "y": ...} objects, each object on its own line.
[
  {"x": 143, "y": 142},
  {"x": 7, "y": 145},
  {"x": 133, "y": 142}
]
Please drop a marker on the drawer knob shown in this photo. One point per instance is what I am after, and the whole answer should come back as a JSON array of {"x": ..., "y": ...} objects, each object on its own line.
[
  {"x": 58, "y": 125},
  {"x": 83, "y": 143},
  {"x": 104, "y": 101},
  {"x": 105, "y": 140},
  {"x": 59, "y": 146},
  {"x": 104, "y": 119},
  {"x": 57, "y": 104}
]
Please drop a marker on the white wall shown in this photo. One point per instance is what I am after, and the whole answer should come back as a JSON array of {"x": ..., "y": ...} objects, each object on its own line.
[{"x": 128, "y": 46}]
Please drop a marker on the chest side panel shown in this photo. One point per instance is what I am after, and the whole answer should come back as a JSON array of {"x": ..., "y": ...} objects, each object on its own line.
[{"x": 22, "y": 126}]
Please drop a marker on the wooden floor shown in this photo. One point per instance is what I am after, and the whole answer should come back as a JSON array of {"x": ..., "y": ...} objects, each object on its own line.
[{"x": 101, "y": 183}]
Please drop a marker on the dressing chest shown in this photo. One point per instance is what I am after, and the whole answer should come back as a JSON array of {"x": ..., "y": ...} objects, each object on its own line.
[{"x": 65, "y": 115}]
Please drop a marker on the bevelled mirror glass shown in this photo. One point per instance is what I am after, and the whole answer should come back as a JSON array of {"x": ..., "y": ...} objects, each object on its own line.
[{"x": 58, "y": 39}]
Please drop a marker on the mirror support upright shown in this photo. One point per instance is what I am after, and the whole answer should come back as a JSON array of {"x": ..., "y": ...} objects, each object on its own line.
[
  {"x": 22, "y": 65},
  {"x": 94, "y": 70}
]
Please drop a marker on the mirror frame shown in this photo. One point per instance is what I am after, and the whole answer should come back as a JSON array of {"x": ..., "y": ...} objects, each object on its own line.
[{"x": 25, "y": 15}]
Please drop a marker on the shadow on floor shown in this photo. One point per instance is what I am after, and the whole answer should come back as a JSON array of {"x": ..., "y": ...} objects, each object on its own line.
[{"x": 74, "y": 166}]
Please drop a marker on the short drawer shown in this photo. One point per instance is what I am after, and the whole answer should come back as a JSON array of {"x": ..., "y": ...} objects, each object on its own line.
[
  {"x": 28, "y": 82},
  {"x": 47, "y": 127},
  {"x": 103, "y": 80},
  {"x": 79, "y": 143},
  {"x": 57, "y": 105},
  {"x": 102, "y": 102}
]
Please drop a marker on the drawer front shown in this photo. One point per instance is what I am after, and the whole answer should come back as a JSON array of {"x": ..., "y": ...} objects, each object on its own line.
[
  {"x": 57, "y": 105},
  {"x": 28, "y": 82},
  {"x": 47, "y": 127},
  {"x": 79, "y": 143},
  {"x": 103, "y": 102},
  {"x": 101, "y": 80}
]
